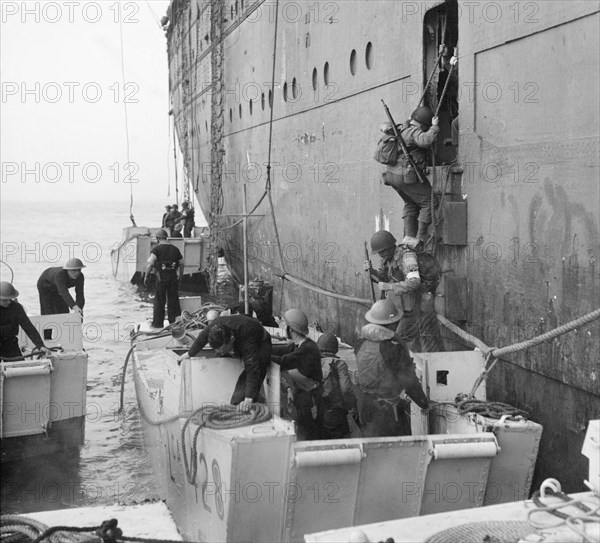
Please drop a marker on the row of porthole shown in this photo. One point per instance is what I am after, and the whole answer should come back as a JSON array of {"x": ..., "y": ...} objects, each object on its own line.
[{"x": 315, "y": 81}]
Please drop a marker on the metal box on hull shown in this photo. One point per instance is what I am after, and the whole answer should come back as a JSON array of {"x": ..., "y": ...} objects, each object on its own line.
[
  {"x": 511, "y": 472},
  {"x": 36, "y": 394}
]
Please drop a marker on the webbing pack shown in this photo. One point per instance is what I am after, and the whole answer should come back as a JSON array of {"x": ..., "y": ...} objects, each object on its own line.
[{"x": 387, "y": 150}]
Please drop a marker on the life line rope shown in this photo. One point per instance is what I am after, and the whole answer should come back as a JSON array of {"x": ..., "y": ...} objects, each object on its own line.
[{"x": 493, "y": 353}]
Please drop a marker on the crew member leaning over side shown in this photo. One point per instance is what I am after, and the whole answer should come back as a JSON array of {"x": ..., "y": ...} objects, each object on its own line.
[
  {"x": 53, "y": 288},
  {"x": 385, "y": 371},
  {"x": 301, "y": 358},
  {"x": 12, "y": 315},
  {"x": 244, "y": 337}
]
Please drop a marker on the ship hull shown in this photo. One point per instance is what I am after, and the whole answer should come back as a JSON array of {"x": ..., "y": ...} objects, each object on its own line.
[{"x": 519, "y": 222}]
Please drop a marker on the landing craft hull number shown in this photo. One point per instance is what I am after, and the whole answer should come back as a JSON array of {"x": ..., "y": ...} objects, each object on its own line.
[{"x": 214, "y": 488}]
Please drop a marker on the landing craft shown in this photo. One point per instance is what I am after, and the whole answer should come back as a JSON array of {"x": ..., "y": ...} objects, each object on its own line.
[
  {"x": 234, "y": 477},
  {"x": 285, "y": 99},
  {"x": 43, "y": 399}
]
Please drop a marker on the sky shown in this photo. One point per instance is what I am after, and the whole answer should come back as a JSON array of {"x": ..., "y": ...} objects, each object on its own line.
[{"x": 64, "y": 101}]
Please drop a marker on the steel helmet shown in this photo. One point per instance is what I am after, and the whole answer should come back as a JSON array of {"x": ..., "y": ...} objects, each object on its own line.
[
  {"x": 211, "y": 315},
  {"x": 74, "y": 264},
  {"x": 382, "y": 240},
  {"x": 161, "y": 234},
  {"x": 411, "y": 242},
  {"x": 384, "y": 312},
  {"x": 297, "y": 321},
  {"x": 7, "y": 291},
  {"x": 422, "y": 115},
  {"x": 328, "y": 343}
]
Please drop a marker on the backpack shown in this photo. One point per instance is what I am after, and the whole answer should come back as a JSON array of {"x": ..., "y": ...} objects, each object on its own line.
[
  {"x": 387, "y": 150},
  {"x": 338, "y": 389},
  {"x": 429, "y": 270}
]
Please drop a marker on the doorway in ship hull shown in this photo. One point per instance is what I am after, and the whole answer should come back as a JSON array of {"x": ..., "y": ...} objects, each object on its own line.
[{"x": 440, "y": 29}]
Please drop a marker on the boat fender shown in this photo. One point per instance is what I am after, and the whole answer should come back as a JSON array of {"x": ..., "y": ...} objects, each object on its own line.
[
  {"x": 333, "y": 457},
  {"x": 358, "y": 536},
  {"x": 485, "y": 449},
  {"x": 29, "y": 371}
]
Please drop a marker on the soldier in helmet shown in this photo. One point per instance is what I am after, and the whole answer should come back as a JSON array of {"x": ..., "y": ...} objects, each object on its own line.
[
  {"x": 241, "y": 336},
  {"x": 53, "y": 288},
  {"x": 12, "y": 315},
  {"x": 419, "y": 132},
  {"x": 301, "y": 358},
  {"x": 338, "y": 390},
  {"x": 385, "y": 372},
  {"x": 409, "y": 277},
  {"x": 167, "y": 262}
]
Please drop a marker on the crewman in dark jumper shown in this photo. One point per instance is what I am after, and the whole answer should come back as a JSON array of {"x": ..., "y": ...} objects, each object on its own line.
[
  {"x": 53, "y": 288},
  {"x": 410, "y": 282},
  {"x": 244, "y": 337},
  {"x": 167, "y": 262},
  {"x": 419, "y": 132},
  {"x": 385, "y": 371},
  {"x": 301, "y": 358},
  {"x": 12, "y": 315},
  {"x": 164, "y": 217}
]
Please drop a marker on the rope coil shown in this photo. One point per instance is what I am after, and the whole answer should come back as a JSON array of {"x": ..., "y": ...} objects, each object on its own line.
[{"x": 219, "y": 418}]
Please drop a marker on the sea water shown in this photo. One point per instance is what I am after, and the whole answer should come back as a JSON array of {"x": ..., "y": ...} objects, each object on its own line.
[{"x": 111, "y": 465}]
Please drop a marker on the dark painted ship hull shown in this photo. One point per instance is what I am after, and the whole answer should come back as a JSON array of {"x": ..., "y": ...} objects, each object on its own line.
[{"x": 519, "y": 226}]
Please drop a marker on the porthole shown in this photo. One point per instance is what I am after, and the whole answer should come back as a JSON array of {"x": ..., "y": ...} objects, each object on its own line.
[
  {"x": 369, "y": 55},
  {"x": 240, "y": 110},
  {"x": 315, "y": 79},
  {"x": 326, "y": 74},
  {"x": 262, "y": 101},
  {"x": 230, "y": 115},
  {"x": 353, "y": 62},
  {"x": 270, "y": 99},
  {"x": 294, "y": 89},
  {"x": 250, "y": 106},
  {"x": 285, "y": 92}
]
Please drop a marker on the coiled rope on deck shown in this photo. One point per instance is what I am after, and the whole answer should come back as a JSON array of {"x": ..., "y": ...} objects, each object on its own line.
[
  {"x": 22, "y": 529},
  {"x": 510, "y": 531},
  {"x": 493, "y": 410},
  {"x": 221, "y": 417}
]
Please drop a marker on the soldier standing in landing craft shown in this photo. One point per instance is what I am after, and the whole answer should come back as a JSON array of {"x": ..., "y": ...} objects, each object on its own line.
[
  {"x": 167, "y": 262},
  {"x": 301, "y": 358},
  {"x": 385, "y": 371},
  {"x": 410, "y": 278},
  {"x": 419, "y": 133},
  {"x": 53, "y": 288}
]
